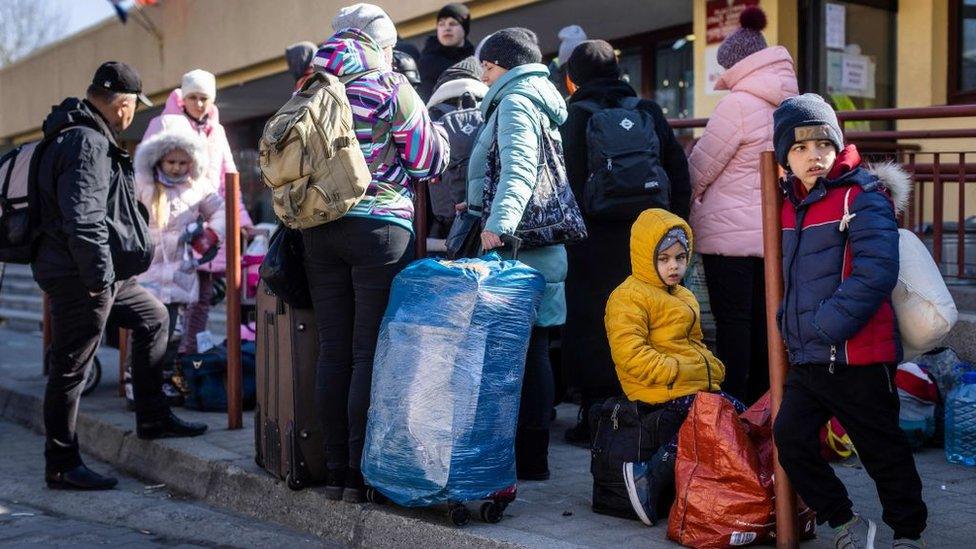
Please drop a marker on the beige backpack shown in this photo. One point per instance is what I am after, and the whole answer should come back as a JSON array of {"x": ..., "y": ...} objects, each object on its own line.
[{"x": 310, "y": 157}]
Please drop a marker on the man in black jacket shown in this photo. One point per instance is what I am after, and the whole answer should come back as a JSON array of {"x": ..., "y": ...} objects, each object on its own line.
[
  {"x": 602, "y": 261},
  {"x": 92, "y": 241},
  {"x": 446, "y": 48}
]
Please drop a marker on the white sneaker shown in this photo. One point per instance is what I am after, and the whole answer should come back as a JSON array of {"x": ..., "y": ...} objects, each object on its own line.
[{"x": 859, "y": 533}]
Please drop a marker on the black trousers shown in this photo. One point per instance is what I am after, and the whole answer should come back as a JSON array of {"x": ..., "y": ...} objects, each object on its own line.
[
  {"x": 538, "y": 385},
  {"x": 865, "y": 400},
  {"x": 77, "y": 323},
  {"x": 737, "y": 293},
  {"x": 350, "y": 263}
]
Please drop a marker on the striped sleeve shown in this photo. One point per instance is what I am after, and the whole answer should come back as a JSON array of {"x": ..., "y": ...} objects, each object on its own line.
[{"x": 421, "y": 144}]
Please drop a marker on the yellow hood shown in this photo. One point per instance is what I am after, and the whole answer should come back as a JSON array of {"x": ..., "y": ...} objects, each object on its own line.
[{"x": 645, "y": 236}]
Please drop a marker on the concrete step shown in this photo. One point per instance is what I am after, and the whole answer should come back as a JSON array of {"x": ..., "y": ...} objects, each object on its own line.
[
  {"x": 21, "y": 321},
  {"x": 20, "y": 287},
  {"x": 962, "y": 338},
  {"x": 21, "y": 302}
]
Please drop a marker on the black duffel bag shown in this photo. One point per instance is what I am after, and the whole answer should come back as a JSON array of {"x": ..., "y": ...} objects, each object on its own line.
[
  {"x": 283, "y": 268},
  {"x": 626, "y": 431}
]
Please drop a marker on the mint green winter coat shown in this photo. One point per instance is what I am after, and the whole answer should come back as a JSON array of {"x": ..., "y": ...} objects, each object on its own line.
[{"x": 517, "y": 107}]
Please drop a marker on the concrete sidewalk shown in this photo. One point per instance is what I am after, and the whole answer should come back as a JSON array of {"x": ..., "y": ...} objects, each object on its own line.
[{"x": 219, "y": 469}]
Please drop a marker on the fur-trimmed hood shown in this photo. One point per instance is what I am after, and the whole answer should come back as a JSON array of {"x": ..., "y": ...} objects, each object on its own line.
[
  {"x": 152, "y": 150},
  {"x": 453, "y": 89},
  {"x": 894, "y": 178}
]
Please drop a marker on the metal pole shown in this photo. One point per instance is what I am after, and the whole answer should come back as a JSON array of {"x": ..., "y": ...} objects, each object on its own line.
[
  {"x": 787, "y": 534},
  {"x": 123, "y": 355},
  {"x": 420, "y": 219},
  {"x": 232, "y": 247}
]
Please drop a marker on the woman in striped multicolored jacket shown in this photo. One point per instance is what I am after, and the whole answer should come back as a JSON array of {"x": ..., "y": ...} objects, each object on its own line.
[{"x": 352, "y": 261}]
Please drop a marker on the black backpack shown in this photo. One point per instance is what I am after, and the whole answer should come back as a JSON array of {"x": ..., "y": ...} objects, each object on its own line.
[
  {"x": 626, "y": 176},
  {"x": 626, "y": 431},
  {"x": 462, "y": 127},
  {"x": 18, "y": 221}
]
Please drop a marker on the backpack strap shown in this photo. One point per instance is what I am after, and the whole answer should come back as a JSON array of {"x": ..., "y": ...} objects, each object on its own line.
[
  {"x": 589, "y": 106},
  {"x": 10, "y": 159},
  {"x": 630, "y": 103}
]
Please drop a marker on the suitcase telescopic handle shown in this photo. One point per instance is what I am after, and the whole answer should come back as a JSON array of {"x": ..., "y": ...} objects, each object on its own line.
[{"x": 512, "y": 242}]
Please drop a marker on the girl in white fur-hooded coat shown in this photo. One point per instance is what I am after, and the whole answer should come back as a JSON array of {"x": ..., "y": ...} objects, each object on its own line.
[{"x": 170, "y": 182}]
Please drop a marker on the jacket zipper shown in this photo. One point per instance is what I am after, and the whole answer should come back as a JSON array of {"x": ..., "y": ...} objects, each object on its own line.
[
  {"x": 833, "y": 358},
  {"x": 887, "y": 376},
  {"x": 708, "y": 366}
]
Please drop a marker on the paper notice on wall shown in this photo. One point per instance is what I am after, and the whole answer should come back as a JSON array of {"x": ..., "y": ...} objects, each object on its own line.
[
  {"x": 835, "y": 26},
  {"x": 851, "y": 74},
  {"x": 712, "y": 70},
  {"x": 854, "y": 73}
]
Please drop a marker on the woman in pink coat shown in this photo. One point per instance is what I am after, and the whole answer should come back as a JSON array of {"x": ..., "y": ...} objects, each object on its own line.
[
  {"x": 191, "y": 107},
  {"x": 726, "y": 214}
]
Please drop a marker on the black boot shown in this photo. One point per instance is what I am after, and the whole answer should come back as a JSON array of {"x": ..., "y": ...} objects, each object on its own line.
[
  {"x": 79, "y": 478},
  {"x": 580, "y": 434},
  {"x": 168, "y": 426},
  {"x": 532, "y": 454},
  {"x": 335, "y": 482},
  {"x": 355, "y": 490}
]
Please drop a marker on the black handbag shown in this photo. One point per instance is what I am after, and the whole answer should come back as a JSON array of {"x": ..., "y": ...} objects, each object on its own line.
[
  {"x": 464, "y": 238},
  {"x": 283, "y": 268}
]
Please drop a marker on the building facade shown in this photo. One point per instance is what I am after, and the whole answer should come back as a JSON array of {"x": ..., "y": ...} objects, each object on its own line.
[{"x": 861, "y": 54}]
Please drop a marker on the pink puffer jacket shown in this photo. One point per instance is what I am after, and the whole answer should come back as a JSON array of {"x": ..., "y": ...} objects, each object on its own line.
[
  {"x": 218, "y": 149},
  {"x": 726, "y": 214},
  {"x": 168, "y": 278}
]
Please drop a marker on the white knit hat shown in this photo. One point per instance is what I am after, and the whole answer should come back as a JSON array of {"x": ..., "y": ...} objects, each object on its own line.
[
  {"x": 368, "y": 18},
  {"x": 199, "y": 81}
]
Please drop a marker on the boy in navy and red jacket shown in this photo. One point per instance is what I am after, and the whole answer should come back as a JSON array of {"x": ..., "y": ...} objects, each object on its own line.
[{"x": 840, "y": 265}]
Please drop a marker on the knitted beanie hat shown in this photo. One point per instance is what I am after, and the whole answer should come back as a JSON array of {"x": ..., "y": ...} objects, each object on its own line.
[
  {"x": 458, "y": 12},
  {"x": 465, "y": 68},
  {"x": 569, "y": 38},
  {"x": 590, "y": 60},
  {"x": 199, "y": 81},
  {"x": 746, "y": 40},
  {"x": 368, "y": 18},
  {"x": 511, "y": 47},
  {"x": 804, "y": 117}
]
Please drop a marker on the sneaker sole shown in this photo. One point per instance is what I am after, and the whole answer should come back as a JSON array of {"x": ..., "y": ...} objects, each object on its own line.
[{"x": 632, "y": 494}]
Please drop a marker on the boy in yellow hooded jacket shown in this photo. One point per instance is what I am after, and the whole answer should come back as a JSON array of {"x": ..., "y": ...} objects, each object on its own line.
[{"x": 654, "y": 328}]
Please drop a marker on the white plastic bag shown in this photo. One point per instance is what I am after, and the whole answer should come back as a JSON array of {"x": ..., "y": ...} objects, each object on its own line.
[{"x": 923, "y": 305}]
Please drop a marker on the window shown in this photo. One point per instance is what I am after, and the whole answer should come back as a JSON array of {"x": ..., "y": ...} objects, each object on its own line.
[
  {"x": 850, "y": 63},
  {"x": 962, "y": 51}
]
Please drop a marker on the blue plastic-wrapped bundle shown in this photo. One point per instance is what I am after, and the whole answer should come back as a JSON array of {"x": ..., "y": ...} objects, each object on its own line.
[{"x": 447, "y": 376}]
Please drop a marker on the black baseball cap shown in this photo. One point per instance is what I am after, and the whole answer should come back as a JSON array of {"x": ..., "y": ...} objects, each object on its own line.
[{"x": 119, "y": 77}]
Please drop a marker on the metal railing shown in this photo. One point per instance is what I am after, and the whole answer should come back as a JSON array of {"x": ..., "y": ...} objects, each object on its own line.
[{"x": 938, "y": 176}]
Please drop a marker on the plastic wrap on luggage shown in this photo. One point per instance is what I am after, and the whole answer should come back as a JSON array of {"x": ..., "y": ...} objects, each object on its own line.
[{"x": 447, "y": 376}]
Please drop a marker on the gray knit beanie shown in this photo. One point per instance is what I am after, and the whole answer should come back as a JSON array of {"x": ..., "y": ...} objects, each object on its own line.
[
  {"x": 510, "y": 48},
  {"x": 368, "y": 18},
  {"x": 569, "y": 38},
  {"x": 745, "y": 41},
  {"x": 804, "y": 117}
]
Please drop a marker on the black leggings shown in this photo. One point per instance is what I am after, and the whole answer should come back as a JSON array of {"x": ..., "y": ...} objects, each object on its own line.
[
  {"x": 350, "y": 263},
  {"x": 538, "y": 386}
]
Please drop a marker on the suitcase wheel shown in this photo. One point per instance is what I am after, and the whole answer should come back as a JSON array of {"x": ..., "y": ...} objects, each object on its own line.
[
  {"x": 459, "y": 514},
  {"x": 294, "y": 483},
  {"x": 375, "y": 497},
  {"x": 492, "y": 511}
]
